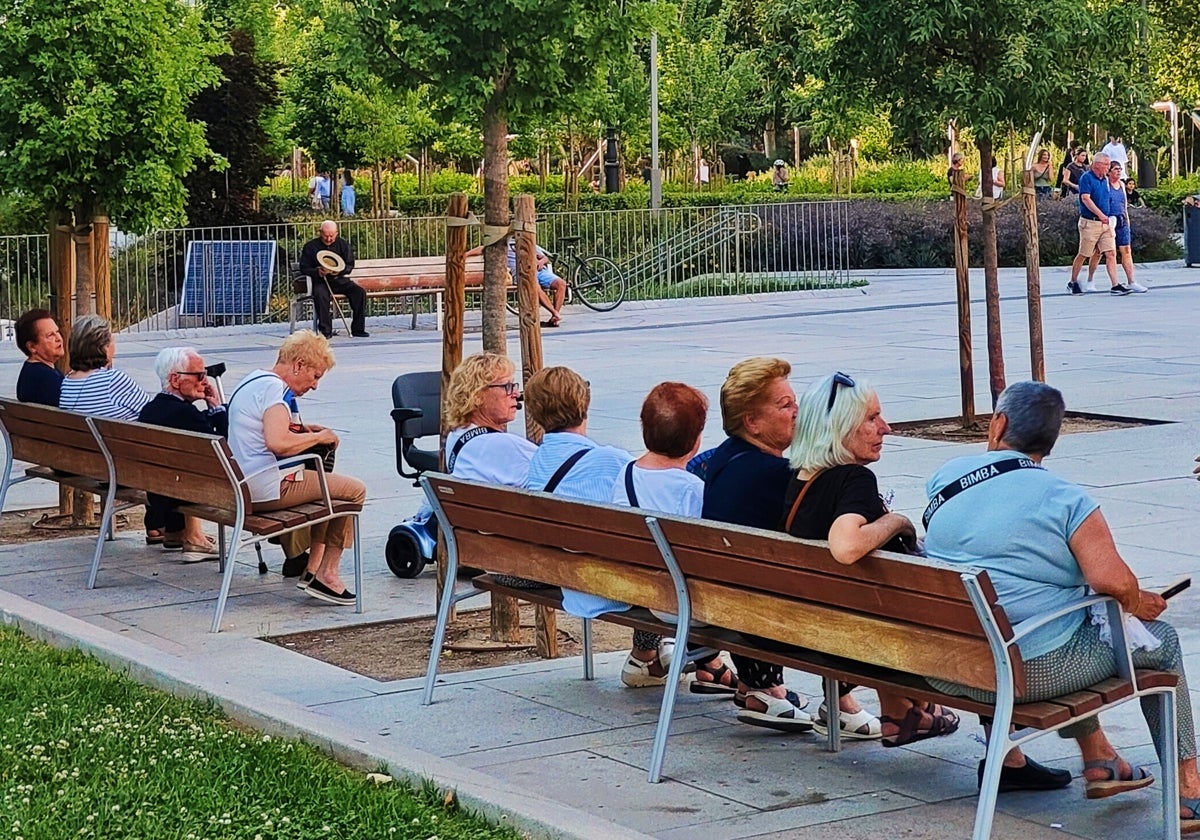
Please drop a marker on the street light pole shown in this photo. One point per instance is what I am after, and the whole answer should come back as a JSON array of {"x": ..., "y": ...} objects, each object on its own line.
[{"x": 655, "y": 172}]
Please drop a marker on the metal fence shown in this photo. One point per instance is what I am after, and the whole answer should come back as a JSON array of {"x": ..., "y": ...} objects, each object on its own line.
[{"x": 669, "y": 253}]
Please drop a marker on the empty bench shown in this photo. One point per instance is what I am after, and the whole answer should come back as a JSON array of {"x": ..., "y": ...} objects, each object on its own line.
[
  {"x": 886, "y": 622},
  {"x": 393, "y": 277}
]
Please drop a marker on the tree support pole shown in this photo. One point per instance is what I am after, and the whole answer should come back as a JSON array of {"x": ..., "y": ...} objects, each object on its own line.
[
  {"x": 1033, "y": 277},
  {"x": 962, "y": 277},
  {"x": 62, "y": 293},
  {"x": 991, "y": 273}
]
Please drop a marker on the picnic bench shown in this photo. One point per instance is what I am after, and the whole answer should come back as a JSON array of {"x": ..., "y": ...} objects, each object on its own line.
[
  {"x": 393, "y": 277},
  {"x": 886, "y": 622}
]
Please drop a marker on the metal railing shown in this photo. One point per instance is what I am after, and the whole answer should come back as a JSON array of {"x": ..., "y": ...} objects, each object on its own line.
[{"x": 669, "y": 253}]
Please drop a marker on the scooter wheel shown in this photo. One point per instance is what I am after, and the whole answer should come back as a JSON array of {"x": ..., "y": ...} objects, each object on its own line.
[{"x": 404, "y": 553}]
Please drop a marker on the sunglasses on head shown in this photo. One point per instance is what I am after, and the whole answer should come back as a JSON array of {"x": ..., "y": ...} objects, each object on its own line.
[{"x": 839, "y": 378}]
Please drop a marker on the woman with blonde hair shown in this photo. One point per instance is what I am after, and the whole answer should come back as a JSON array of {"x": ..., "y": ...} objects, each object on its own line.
[
  {"x": 481, "y": 400},
  {"x": 262, "y": 431}
]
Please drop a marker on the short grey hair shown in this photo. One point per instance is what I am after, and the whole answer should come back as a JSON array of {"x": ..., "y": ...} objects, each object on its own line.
[
  {"x": 821, "y": 430},
  {"x": 88, "y": 343},
  {"x": 1035, "y": 414},
  {"x": 171, "y": 359}
]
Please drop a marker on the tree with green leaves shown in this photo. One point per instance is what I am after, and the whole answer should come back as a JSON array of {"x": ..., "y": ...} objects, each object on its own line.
[
  {"x": 94, "y": 102},
  {"x": 986, "y": 65},
  {"x": 491, "y": 63}
]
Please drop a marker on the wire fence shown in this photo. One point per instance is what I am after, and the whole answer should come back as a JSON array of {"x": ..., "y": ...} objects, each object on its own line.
[{"x": 159, "y": 281}]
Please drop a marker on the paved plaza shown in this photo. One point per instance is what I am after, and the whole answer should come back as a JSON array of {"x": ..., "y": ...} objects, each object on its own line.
[{"x": 535, "y": 745}]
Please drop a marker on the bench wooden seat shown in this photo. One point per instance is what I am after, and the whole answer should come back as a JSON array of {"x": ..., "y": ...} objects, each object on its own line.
[
  {"x": 886, "y": 622},
  {"x": 394, "y": 277},
  {"x": 200, "y": 471}
]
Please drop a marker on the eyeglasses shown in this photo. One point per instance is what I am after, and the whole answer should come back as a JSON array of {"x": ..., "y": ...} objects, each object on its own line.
[
  {"x": 839, "y": 378},
  {"x": 510, "y": 388},
  {"x": 199, "y": 374}
]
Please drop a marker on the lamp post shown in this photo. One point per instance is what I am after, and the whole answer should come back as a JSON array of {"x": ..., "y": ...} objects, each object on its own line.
[{"x": 655, "y": 172}]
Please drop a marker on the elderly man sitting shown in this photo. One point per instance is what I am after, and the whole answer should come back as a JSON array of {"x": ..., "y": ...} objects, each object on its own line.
[
  {"x": 1044, "y": 544},
  {"x": 184, "y": 383}
]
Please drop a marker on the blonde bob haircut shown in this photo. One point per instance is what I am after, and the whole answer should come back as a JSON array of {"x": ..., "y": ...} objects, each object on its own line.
[
  {"x": 465, "y": 393},
  {"x": 744, "y": 390},
  {"x": 309, "y": 349},
  {"x": 557, "y": 398},
  {"x": 821, "y": 429}
]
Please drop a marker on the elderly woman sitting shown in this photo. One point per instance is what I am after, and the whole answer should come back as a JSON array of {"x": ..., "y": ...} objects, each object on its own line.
[
  {"x": 833, "y": 496},
  {"x": 94, "y": 386},
  {"x": 260, "y": 433},
  {"x": 1044, "y": 544},
  {"x": 481, "y": 401}
]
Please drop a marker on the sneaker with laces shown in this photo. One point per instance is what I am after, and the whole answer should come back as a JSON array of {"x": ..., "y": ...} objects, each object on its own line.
[
  {"x": 1138, "y": 287},
  {"x": 1119, "y": 290},
  {"x": 783, "y": 714},
  {"x": 1091, "y": 286},
  {"x": 1073, "y": 288}
]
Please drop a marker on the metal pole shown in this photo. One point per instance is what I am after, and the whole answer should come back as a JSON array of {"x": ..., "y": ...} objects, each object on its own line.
[{"x": 655, "y": 172}]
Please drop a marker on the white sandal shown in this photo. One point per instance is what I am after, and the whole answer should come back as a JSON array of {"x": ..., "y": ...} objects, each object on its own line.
[{"x": 860, "y": 726}]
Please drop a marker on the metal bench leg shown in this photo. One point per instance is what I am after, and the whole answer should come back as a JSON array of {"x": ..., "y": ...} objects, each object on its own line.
[
  {"x": 357, "y": 567},
  {"x": 589, "y": 665},
  {"x": 439, "y": 630},
  {"x": 413, "y": 302},
  {"x": 670, "y": 691},
  {"x": 998, "y": 746},
  {"x": 110, "y": 503},
  {"x": 1168, "y": 737},
  {"x": 221, "y": 549},
  {"x": 227, "y": 577},
  {"x": 833, "y": 713}
]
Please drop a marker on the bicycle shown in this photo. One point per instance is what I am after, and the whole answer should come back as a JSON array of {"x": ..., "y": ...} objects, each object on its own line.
[{"x": 597, "y": 281}]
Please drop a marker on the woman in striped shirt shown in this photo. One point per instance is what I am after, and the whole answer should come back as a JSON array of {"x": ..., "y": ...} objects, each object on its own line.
[{"x": 93, "y": 386}]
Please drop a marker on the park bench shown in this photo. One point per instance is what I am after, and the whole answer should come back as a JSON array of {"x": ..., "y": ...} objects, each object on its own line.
[
  {"x": 199, "y": 470},
  {"x": 886, "y": 622},
  {"x": 57, "y": 446},
  {"x": 393, "y": 277}
]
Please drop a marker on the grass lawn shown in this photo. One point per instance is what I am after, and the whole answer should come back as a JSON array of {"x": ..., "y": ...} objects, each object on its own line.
[{"x": 85, "y": 752}]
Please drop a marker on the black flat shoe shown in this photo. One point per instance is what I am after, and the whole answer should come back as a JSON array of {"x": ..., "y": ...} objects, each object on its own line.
[
  {"x": 1032, "y": 776},
  {"x": 321, "y": 592}
]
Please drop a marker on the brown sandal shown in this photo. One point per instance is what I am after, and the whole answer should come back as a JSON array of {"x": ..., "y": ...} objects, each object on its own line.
[
  {"x": 941, "y": 723},
  {"x": 716, "y": 682}
]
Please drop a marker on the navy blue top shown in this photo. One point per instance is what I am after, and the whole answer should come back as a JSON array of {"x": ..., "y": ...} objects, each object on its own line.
[
  {"x": 745, "y": 486},
  {"x": 39, "y": 383},
  {"x": 1099, "y": 190}
]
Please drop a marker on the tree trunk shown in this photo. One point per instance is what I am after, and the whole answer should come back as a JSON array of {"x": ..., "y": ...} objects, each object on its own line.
[
  {"x": 1033, "y": 278},
  {"x": 84, "y": 513},
  {"x": 962, "y": 276},
  {"x": 991, "y": 272},
  {"x": 496, "y": 215},
  {"x": 101, "y": 265},
  {"x": 62, "y": 293}
]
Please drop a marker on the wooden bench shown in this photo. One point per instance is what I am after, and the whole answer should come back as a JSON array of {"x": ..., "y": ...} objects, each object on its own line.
[
  {"x": 886, "y": 622},
  {"x": 393, "y": 277},
  {"x": 58, "y": 446},
  {"x": 199, "y": 470}
]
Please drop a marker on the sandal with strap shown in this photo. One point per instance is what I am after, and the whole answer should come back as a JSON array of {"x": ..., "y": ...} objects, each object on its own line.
[
  {"x": 1139, "y": 777},
  {"x": 860, "y": 726},
  {"x": 722, "y": 680},
  {"x": 942, "y": 722},
  {"x": 1189, "y": 824}
]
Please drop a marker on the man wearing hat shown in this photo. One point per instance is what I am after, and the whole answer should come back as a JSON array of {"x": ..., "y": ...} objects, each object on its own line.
[
  {"x": 779, "y": 176},
  {"x": 327, "y": 261}
]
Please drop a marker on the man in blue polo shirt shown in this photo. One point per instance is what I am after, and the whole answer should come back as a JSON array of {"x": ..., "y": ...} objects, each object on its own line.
[{"x": 1096, "y": 225}]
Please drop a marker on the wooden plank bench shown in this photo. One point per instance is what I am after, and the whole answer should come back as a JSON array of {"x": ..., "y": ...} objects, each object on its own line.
[
  {"x": 200, "y": 471},
  {"x": 58, "y": 446},
  {"x": 393, "y": 277},
  {"x": 886, "y": 622}
]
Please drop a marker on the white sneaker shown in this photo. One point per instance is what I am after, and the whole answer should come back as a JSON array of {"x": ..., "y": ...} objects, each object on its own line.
[
  {"x": 1091, "y": 286},
  {"x": 1138, "y": 287}
]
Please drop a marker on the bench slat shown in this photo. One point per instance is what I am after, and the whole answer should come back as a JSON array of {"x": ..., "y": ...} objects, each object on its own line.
[{"x": 158, "y": 450}]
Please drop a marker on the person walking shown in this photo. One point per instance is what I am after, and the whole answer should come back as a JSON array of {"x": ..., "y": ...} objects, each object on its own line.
[{"x": 1096, "y": 225}]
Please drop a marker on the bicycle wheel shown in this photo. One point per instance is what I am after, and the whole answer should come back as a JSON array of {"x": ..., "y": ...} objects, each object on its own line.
[{"x": 599, "y": 283}]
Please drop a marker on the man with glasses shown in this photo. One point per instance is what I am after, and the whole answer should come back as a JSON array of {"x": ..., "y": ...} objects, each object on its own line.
[
  {"x": 184, "y": 383},
  {"x": 1122, "y": 233},
  {"x": 1096, "y": 225}
]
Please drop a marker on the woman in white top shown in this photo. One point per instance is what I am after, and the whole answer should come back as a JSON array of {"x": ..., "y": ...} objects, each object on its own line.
[
  {"x": 261, "y": 431},
  {"x": 673, "y": 417},
  {"x": 93, "y": 386}
]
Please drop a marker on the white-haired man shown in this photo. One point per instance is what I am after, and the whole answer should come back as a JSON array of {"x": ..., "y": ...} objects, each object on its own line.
[
  {"x": 326, "y": 281},
  {"x": 1096, "y": 225}
]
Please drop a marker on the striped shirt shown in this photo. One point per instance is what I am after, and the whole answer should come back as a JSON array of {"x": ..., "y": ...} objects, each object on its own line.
[{"x": 104, "y": 393}]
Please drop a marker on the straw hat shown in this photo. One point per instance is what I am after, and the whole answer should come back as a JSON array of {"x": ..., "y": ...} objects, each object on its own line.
[{"x": 330, "y": 261}]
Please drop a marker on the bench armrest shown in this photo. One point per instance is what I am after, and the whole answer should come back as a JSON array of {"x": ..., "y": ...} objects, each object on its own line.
[{"x": 1027, "y": 626}]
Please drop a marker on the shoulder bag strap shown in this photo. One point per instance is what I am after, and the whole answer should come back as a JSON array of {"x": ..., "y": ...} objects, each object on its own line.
[
  {"x": 977, "y": 476},
  {"x": 629, "y": 491},
  {"x": 787, "y": 525},
  {"x": 471, "y": 434},
  {"x": 563, "y": 469},
  {"x": 229, "y": 402}
]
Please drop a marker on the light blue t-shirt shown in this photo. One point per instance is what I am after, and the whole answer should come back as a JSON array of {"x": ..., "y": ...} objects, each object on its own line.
[
  {"x": 1017, "y": 527},
  {"x": 591, "y": 479}
]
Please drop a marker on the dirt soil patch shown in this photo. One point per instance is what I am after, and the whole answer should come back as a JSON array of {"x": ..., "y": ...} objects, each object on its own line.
[
  {"x": 951, "y": 428},
  {"x": 397, "y": 650},
  {"x": 37, "y": 524}
]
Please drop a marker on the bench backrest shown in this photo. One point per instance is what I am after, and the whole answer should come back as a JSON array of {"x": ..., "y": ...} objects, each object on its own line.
[
  {"x": 188, "y": 466},
  {"x": 51, "y": 437},
  {"x": 898, "y": 612}
]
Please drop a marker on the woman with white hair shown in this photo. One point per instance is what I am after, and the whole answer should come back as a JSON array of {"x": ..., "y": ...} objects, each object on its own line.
[{"x": 94, "y": 387}]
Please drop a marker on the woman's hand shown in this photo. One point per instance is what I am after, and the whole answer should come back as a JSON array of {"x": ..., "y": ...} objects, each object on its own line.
[{"x": 1150, "y": 605}]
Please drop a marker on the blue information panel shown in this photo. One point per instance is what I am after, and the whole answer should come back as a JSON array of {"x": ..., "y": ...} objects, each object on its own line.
[{"x": 228, "y": 278}]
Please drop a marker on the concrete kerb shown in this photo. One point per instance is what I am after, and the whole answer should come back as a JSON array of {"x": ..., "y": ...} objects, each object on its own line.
[{"x": 523, "y": 810}]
